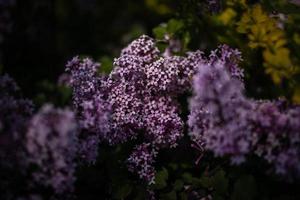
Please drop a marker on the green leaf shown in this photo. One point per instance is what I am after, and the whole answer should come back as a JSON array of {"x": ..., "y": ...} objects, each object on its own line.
[
  {"x": 206, "y": 182},
  {"x": 178, "y": 185},
  {"x": 162, "y": 46},
  {"x": 65, "y": 93},
  {"x": 160, "y": 31},
  {"x": 220, "y": 182},
  {"x": 245, "y": 188},
  {"x": 122, "y": 192},
  {"x": 174, "y": 26},
  {"x": 169, "y": 196},
  {"x": 173, "y": 166},
  {"x": 216, "y": 196},
  {"x": 187, "y": 177},
  {"x": 106, "y": 64},
  {"x": 183, "y": 196},
  {"x": 161, "y": 179},
  {"x": 186, "y": 39}
]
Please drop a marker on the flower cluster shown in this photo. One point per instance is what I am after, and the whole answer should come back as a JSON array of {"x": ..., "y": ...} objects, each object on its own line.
[
  {"x": 215, "y": 110},
  {"x": 141, "y": 161},
  {"x": 212, "y": 84},
  {"x": 138, "y": 97},
  {"x": 92, "y": 110},
  {"x": 277, "y": 135},
  {"x": 51, "y": 143},
  {"x": 143, "y": 89},
  {"x": 229, "y": 123}
]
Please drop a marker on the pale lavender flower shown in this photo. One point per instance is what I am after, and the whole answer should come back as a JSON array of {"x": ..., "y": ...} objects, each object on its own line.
[
  {"x": 230, "y": 58},
  {"x": 215, "y": 109},
  {"x": 277, "y": 133},
  {"x": 230, "y": 124},
  {"x": 51, "y": 143}
]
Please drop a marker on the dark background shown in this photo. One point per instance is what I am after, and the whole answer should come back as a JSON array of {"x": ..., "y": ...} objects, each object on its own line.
[{"x": 38, "y": 37}]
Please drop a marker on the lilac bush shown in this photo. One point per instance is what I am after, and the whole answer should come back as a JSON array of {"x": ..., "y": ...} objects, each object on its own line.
[
  {"x": 138, "y": 103},
  {"x": 139, "y": 99}
]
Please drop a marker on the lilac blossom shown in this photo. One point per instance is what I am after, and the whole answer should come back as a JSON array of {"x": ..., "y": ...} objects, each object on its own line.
[
  {"x": 83, "y": 79},
  {"x": 214, "y": 109},
  {"x": 230, "y": 58},
  {"x": 141, "y": 162},
  {"x": 228, "y": 123},
  {"x": 91, "y": 108},
  {"x": 138, "y": 97},
  {"x": 143, "y": 89},
  {"x": 277, "y": 135},
  {"x": 88, "y": 149},
  {"x": 51, "y": 143},
  {"x": 163, "y": 124},
  {"x": 144, "y": 48}
]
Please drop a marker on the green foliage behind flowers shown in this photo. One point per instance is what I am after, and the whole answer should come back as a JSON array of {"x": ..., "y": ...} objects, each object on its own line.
[{"x": 267, "y": 33}]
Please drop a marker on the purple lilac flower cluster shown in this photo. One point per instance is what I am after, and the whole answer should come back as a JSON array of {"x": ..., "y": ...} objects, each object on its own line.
[
  {"x": 215, "y": 108},
  {"x": 228, "y": 123},
  {"x": 138, "y": 97},
  {"x": 51, "y": 143},
  {"x": 277, "y": 135},
  {"x": 88, "y": 101},
  {"x": 42, "y": 146},
  {"x": 141, "y": 162}
]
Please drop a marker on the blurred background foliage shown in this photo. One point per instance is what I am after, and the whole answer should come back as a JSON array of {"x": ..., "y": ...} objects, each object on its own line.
[
  {"x": 37, "y": 37},
  {"x": 266, "y": 32}
]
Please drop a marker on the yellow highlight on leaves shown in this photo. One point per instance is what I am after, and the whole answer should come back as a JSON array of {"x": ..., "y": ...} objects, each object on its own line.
[
  {"x": 263, "y": 31},
  {"x": 296, "y": 96},
  {"x": 227, "y": 16},
  {"x": 158, "y": 6},
  {"x": 278, "y": 64}
]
